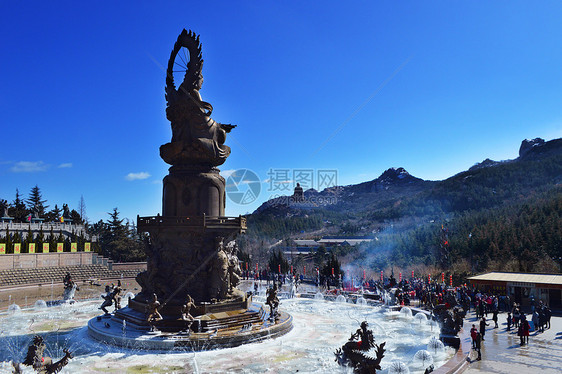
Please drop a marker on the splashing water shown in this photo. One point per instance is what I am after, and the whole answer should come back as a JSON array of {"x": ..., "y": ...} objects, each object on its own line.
[
  {"x": 435, "y": 346},
  {"x": 420, "y": 318},
  {"x": 14, "y": 308},
  {"x": 406, "y": 312},
  {"x": 423, "y": 358},
  {"x": 341, "y": 299},
  {"x": 398, "y": 367},
  {"x": 361, "y": 301}
]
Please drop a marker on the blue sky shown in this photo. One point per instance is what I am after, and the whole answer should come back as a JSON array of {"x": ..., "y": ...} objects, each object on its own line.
[{"x": 358, "y": 87}]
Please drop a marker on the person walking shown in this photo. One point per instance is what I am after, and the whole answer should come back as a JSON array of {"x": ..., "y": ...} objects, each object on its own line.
[
  {"x": 483, "y": 325},
  {"x": 473, "y": 332},
  {"x": 509, "y": 321},
  {"x": 516, "y": 315},
  {"x": 495, "y": 318},
  {"x": 547, "y": 316},
  {"x": 525, "y": 327},
  {"x": 478, "y": 341}
]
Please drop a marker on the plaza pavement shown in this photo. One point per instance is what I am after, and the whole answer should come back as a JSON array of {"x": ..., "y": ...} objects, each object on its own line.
[{"x": 501, "y": 352}]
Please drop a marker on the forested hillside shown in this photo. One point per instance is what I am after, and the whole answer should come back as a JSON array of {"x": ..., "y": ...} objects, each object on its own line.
[{"x": 495, "y": 216}]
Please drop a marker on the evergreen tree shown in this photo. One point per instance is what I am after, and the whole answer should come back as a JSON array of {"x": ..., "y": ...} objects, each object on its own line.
[
  {"x": 18, "y": 209},
  {"x": 119, "y": 241},
  {"x": 76, "y": 218},
  {"x": 54, "y": 214},
  {"x": 277, "y": 258},
  {"x": 35, "y": 200}
]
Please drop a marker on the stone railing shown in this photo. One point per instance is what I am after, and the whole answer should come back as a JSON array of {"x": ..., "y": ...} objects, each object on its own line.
[
  {"x": 205, "y": 222},
  {"x": 67, "y": 229}
]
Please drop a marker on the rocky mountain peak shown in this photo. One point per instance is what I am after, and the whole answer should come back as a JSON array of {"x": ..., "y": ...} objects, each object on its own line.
[{"x": 528, "y": 144}]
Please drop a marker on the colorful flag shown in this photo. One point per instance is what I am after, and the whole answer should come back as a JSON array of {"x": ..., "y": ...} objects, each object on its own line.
[
  {"x": 74, "y": 247},
  {"x": 60, "y": 247},
  {"x": 61, "y": 219},
  {"x": 29, "y": 218},
  {"x": 2, "y": 248},
  {"x": 17, "y": 248},
  {"x": 31, "y": 248},
  {"x": 86, "y": 247},
  {"x": 45, "y": 247}
]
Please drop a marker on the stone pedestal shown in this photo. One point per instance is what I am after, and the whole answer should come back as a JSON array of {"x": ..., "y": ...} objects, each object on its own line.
[{"x": 193, "y": 191}]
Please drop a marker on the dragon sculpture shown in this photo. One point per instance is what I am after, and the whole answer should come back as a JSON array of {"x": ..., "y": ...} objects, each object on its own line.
[
  {"x": 42, "y": 365},
  {"x": 354, "y": 352}
]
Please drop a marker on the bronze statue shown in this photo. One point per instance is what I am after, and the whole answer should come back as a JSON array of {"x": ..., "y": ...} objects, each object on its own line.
[
  {"x": 70, "y": 287},
  {"x": 152, "y": 314},
  {"x": 354, "y": 352},
  {"x": 234, "y": 271},
  {"x": 196, "y": 137},
  {"x": 219, "y": 286},
  {"x": 4, "y": 205},
  {"x": 185, "y": 312},
  {"x": 273, "y": 302},
  {"x": 43, "y": 365},
  {"x": 65, "y": 211},
  {"x": 116, "y": 294},
  {"x": 107, "y": 300}
]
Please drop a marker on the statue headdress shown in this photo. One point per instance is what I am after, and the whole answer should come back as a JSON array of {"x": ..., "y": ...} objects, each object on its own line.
[{"x": 190, "y": 41}]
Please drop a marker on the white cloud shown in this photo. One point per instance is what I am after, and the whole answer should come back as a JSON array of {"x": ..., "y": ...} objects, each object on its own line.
[
  {"x": 137, "y": 176},
  {"x": 227, "y": 173},
  {"x": 29, "y": 166},
  {"x": 65, "y": 165}
]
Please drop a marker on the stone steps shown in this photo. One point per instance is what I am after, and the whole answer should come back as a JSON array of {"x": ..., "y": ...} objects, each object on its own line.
[{"x": 20, "y": 277}]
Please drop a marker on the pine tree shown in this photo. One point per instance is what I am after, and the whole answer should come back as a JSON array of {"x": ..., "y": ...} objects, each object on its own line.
[
  {"x": 35, "y": 201},
  {"x": 54, "y": 214},
  {"x": 18, "y": 209}
]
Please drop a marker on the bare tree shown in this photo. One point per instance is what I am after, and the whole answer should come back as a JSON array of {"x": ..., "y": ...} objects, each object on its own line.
[{"x": 82, "y": 209}]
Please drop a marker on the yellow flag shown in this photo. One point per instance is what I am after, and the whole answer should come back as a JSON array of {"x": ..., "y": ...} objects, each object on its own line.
[
  {"x": 31, "y": 248},
  {"x": 2, "y": 248},
  {"x": 60, "y": 247},
  {"x": 73, "y": 247},
  {"x": 86, "y": 247},
  {"x": 17, "y": 248},
  {"x": 45, "y": 247}
]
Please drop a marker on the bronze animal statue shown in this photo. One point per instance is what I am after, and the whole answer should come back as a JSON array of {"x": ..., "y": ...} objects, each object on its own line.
[
  {"x": 354, "y": 352},
  {"x": 42, "y": 365}
]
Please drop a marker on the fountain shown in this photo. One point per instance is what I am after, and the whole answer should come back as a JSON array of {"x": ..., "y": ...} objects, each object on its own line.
[
  {"x": 320, "y": 327},
  {"x": 191, "y": 250}
]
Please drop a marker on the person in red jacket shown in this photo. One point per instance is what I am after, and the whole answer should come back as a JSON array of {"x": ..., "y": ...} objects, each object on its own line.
[{"x": 473, "y": 333}]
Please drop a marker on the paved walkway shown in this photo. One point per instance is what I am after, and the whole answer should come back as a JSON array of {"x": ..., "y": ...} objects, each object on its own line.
[{"x": 501, "y": 352}]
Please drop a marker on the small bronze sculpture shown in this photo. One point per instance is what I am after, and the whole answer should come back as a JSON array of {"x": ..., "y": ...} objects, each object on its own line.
[
  {"x": 273, "y": 302},
  {"x": 4, "y": 205},
  {"x": 107, "y": 300},
  {"x": 152, "y": 314},
  {"x": 43, "y": 365},
  {"x": 185, "y": 312},
  {"x": 69, "y": 287},
  {"x": 353, "y": 353},
  {"x": 116, "y": 294}
]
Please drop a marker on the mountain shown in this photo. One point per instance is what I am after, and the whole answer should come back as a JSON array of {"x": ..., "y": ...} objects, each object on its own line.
[{"x": 397, "y": 206}]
